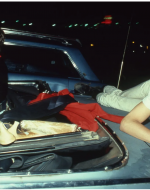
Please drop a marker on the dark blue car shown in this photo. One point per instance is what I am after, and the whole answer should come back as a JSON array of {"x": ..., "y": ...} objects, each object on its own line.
[
  {"x": 124, "y": 163},
  {"x": 54, "y": 59}
]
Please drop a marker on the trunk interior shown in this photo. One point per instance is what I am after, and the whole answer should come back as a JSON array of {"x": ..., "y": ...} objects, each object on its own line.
[{"x": 77, "y": 151}]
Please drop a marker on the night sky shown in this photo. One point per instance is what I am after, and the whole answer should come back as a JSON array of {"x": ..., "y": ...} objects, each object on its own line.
[
  {"x": 43, "y": 15},
  {"x": 109, "y": 40},
  {"x": 65, "y": 11}
]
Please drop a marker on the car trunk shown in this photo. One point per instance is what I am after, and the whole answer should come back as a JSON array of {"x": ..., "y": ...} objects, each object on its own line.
[{"x": 88, "y": 150}]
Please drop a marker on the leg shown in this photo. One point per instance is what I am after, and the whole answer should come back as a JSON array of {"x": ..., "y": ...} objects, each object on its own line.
[
  {"x": 140, "y": 91},
  {"x": 117, "y": 101}
]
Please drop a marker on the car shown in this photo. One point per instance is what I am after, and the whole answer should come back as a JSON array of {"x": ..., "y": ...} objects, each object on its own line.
[
  {"x": 56, "y": 59},
  {"x": 121, "y": 161}
]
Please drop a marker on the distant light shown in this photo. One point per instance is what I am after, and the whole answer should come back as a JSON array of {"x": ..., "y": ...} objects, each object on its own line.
[
  {"x": 24, "y": 24},
  {"x": 86, "y": 25},
  {"x": 133, "y": 42},
  {"x": 91, "y": 44},
  {"x": 137, "y": 22},
  {"x": 0, "y": 56},
  {"x": 129, "y": 22},
  {"x": 108, "y": 17},
  {"x": 30, "y": 23},
  {"x": 76, "y": 25},
  {"x": 17, "y": 20},
  {"x": 107, "y": 21},
  {"x": 117, "y": 23},
  {"x": 146, "y": 47},
  {"x": 96, "y": 24},
  {"x": 133, "y": 51},
  {"x": 3, "y": 21},
  {"x": 53, "y": 24},
  {"x": 144, "y": 51},
  {"x": 81, "y": 24},
  {"x": 70, "y": 26},
  {"x": 141, "y": 45}
]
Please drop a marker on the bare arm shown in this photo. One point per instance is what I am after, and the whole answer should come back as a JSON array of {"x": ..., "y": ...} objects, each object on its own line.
[{"x": 132, "y": 123}]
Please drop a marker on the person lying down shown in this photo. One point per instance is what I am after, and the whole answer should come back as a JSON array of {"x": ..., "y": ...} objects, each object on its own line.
[{"x": 135, "y": 100}]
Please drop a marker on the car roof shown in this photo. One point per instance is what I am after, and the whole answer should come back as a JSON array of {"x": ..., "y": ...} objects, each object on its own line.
[{"x": 37, "y": 37}]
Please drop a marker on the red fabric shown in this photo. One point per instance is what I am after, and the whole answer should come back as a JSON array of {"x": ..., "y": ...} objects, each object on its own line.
[
  {"x": 81, "y": 114},
  {"x": 84, "y": 115},
  {"x": 43, "y": 96}
]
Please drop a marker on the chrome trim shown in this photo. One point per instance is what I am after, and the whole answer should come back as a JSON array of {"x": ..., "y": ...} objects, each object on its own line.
[
  {"x": 63, "y": 40},
  {"x": 109, "y": 136},
  {"x": 20, "y": 83},
  {"x": 74, "y": 65},
  {"x": 126, "y": 156}
]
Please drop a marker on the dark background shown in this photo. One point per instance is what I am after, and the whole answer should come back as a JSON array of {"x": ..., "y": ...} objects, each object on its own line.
[{"x": 109, "y": 41}]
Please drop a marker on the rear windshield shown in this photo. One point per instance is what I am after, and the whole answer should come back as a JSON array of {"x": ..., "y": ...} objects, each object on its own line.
[{"x": 37, "y": 61}]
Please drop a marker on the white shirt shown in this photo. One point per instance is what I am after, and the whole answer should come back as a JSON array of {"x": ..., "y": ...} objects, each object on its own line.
[{"x": 146, "y": 101}]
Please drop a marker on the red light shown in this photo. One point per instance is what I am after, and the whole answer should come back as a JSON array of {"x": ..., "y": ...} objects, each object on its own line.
[
  {"x": 107, "y": 22},
  {"x": 108, "y": 19},
  {"x": 0, "y": 56}
]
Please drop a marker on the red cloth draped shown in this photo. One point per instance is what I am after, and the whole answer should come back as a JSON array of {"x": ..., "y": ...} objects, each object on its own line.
[
  {"x": 84, "y": 115},
  {"x": 43, "y": 96},
  {"x": 81, "y": 114}
]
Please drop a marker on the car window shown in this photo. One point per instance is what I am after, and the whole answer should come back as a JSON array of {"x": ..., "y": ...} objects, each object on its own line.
[{"x": 38, "y": 61}]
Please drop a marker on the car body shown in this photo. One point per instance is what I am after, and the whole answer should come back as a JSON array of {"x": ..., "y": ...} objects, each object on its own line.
[
  {"x": 56, "y": 59},
  {"x": 127, "y": 168}
]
